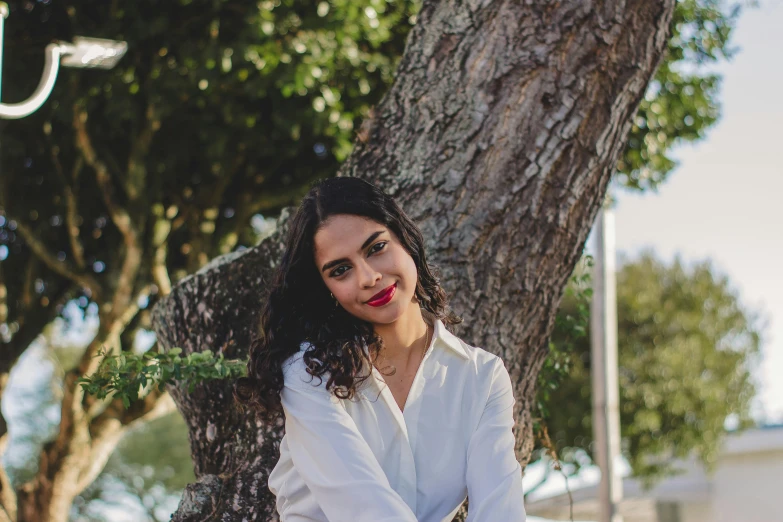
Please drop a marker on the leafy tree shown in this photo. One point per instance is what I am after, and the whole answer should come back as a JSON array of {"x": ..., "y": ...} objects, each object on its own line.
[
  {"x": 129, "y": 180},
  {"x": 681, "y": 103},
  {"x": 686, "y": 347}
]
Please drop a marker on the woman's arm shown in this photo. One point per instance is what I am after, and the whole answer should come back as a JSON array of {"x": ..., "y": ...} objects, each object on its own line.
[
  {"x": 494, "y": 476},
  {"x": 331, "y": 455}
]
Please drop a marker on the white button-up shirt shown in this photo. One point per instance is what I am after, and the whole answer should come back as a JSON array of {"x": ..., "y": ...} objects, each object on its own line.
[{"x": 364, "y": 460}]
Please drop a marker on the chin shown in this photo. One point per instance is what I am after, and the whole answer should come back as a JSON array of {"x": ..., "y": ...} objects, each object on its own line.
[{"x": 389, "y": 314}]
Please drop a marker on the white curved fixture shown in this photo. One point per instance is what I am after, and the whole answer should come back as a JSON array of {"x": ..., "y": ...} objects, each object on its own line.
[
  {"x": 14, "y": 111},
  {"x": 83, "y": 52}
]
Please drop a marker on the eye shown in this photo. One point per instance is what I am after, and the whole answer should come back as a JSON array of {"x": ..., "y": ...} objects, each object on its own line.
[
  {"x": 335, "y": 273},
  {"x": 381, "y": 243}
]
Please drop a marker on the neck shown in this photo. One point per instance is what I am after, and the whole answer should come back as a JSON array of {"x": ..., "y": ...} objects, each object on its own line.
[{"x": 404, "y": 339}]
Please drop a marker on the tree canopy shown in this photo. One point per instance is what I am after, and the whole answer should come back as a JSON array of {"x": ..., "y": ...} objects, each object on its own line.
[{"x": 686, "y": 349}]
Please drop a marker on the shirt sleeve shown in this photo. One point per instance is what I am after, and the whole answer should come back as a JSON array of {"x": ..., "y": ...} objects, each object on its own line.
[
  {"x": 494, "y": 476},
  {"x": 331, "y": 455}
]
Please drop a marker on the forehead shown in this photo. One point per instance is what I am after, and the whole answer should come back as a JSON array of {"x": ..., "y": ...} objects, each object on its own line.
[{"x": 343, "y": 234}]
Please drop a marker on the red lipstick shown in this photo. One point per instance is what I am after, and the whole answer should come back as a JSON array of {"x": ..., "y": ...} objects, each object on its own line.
[{"x": 383, "y": 297}]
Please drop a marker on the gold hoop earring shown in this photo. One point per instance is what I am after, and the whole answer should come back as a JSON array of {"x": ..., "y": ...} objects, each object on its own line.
[{"x": 336, "y": 302}]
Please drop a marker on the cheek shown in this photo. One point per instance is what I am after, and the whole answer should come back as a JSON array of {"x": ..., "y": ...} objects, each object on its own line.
[
  {"x": 408, "y": 269},
  {"x": 346, "y": 290},
  {"x": 334, "y": 286},
  {"x": 340, "y": 291}
]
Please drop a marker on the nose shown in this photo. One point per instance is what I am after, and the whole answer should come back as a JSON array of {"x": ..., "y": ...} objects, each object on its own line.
[{"x": 368, "y": 275}]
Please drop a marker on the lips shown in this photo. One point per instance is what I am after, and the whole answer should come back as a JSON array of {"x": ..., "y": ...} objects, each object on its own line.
[{"x": 383, "y": 297}]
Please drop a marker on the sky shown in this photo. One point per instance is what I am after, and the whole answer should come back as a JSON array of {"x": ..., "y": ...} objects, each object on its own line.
[{"x": 725, "y": 200}]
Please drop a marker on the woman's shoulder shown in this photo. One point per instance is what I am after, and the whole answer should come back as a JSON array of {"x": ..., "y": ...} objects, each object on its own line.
[
  {"x": 478, "y": 358},
  {"x": 295, "y": 370},
  {"x": 482, "y": 373}
]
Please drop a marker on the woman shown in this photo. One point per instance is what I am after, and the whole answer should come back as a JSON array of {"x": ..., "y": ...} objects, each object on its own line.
[{"x": 388, "y": 415}]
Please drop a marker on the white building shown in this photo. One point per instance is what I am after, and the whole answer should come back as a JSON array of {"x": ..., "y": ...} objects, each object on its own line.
[{"x": 746, "y": 486}]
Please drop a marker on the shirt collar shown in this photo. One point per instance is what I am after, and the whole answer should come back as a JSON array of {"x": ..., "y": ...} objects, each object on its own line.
[{"x": 447, "y": 338}]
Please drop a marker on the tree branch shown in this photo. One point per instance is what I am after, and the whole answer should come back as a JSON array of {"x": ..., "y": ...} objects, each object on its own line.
[
  {"x": 247, "y": 207},
  {"x": 160, "y": 273},
  {"x": 137, "y": 170},
  {"x": 160, "y": 234},
  {"x": 151, "y": 406},
  {"x": 206, "y": 243},
  {"x": 110, "y": 425},
  {"x": 7, "y": 495},
  {"x": 3, "y": 297},
  {"x": 29, "y": 326},
  {"x": 27, "y": 283},
  {"x": 141, "y": 321},
  {"x": 70, "y": 217},
  {"x": 110, "y": 329},
  {"x": 544, "y": 478},
  {"x": 82, "y": 279},
  {"x": 77, "y": 249},
  {"x": 118, "y": 214},
  {"x": 269, "y": 201}
]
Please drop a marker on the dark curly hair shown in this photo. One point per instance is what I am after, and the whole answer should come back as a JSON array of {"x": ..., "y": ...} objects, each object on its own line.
[{"x": 300, "y": 308}]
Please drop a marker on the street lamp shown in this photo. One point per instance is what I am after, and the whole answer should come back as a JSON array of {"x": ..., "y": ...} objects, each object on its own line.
[{"x": 82, "y": 53}]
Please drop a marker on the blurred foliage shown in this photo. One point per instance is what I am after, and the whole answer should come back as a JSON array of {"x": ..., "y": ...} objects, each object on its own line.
[
  {"x": 123, "y": 376},
  {"x": 571, "y": 324},
  {"x": 33, "y": 395},
  {"x": 31, "y": 405},
  {"x": 686, "y": 348},
  {"x": 140, "y": 476},
  {"x": 681, "y": 102}
]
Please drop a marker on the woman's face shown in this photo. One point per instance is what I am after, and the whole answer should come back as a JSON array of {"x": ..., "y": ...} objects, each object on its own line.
[{"x": 359, "y": 258}]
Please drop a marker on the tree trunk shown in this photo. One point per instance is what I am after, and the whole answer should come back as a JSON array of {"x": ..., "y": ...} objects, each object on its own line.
[
  {"x": 10, "y": 351},
  {"x": 7, "y": 496},
  {"x": 499, "y": 137}
]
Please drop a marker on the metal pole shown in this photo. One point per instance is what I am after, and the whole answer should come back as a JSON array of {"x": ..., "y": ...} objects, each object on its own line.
[
  {"x": 603, "y": 325},
  {"x": 3, "y": 15}
]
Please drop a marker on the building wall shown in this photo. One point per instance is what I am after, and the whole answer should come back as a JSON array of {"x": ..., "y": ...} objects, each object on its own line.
[
  {"x": 696, "y": 512},
  {"x": 749, "y": 487},
  {"x": 631, "y": 509}
]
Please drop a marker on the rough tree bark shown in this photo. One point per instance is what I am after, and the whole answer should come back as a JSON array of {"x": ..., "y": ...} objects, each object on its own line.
[{"x": 499, "y": 137}]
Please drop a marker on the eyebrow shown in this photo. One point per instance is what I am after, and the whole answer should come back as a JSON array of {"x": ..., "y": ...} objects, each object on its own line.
[{"x": 336, "y": 262}]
